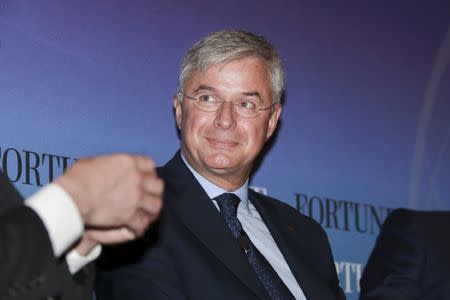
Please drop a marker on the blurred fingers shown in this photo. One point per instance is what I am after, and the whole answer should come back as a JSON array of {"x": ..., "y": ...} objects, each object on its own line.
[
  {"x": 140, "y": 222},
  {"x": 144, "y": 164},
  {"x": 111, "y": 236},
  {"x": 151, "y": 205},
  {"x": 151, "y": 184}
]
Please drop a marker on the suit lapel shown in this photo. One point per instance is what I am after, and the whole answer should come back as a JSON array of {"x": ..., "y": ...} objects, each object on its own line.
[
  {"x": 196, "y": 210},
  {"x": 292, "y": 240}
]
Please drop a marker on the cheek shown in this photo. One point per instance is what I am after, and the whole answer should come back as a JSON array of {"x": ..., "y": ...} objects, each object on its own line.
[
  {"x": 192, "y": 125},
  {"x": 255, "y": 135}
]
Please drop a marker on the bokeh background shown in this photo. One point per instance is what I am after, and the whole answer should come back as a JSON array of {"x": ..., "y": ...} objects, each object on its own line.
[{"x": 365, "y": 120}]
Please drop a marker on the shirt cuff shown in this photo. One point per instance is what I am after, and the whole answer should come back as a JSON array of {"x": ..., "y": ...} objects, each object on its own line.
[
  {"x": 60, "y": 216},
  {"x": 75, "y": 261}
]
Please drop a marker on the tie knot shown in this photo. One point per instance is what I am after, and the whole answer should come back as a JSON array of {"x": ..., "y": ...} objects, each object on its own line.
[{"x": 228, "y": 204}]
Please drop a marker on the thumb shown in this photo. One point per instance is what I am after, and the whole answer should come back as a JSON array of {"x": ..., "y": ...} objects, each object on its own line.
[{"x": 111, "y": 236}]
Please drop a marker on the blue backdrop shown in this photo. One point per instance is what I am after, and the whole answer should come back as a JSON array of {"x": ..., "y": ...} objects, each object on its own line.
[{"x": 365, "y": 126}]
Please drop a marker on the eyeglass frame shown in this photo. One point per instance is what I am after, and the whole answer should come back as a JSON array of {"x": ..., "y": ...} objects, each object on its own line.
[{"x": 258, "y": 110}]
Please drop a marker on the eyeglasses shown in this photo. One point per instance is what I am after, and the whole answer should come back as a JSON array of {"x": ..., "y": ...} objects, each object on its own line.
[{"x": 246, "y": 107}]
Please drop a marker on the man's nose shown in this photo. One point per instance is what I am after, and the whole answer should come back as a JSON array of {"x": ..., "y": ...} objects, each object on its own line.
[{"x": 225, "y": 115}]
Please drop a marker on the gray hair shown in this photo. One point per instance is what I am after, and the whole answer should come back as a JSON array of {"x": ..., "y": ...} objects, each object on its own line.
[{"x": 222, "y": 47}]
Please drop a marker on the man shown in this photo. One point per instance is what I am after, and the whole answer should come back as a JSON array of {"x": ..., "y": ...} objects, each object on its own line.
[
  {"x": 217, "y": 239},
  {"x": 411, "y": 258},
  {"x": 108, "y": 199}
]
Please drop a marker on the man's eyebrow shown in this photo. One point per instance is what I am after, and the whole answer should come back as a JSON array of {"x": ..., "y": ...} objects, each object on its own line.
[
  {"x": 253, "y": 94},
  {"x": 204, "y": 87}
]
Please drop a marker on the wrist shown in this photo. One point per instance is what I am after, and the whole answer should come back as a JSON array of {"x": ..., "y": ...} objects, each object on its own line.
[
  {"x": 85, "y": 245},
  {"x": 74, "y": 192}
]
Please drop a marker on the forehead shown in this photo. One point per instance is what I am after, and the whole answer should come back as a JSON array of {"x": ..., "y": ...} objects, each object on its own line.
[{"x": 239, "y": 75}]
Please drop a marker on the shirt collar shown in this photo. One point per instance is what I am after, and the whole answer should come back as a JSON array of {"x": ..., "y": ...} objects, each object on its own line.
[{"x": 213, "y": 190}]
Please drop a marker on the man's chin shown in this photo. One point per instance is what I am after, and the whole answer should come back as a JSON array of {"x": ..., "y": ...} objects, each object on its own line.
[
  {"x": 220, "y": 163},
  {"x": 219, "y": 168}
]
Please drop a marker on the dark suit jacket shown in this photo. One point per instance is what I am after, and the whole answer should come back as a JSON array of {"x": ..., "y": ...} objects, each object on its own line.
[
  {"x": 411, "y": 258},
  {"x": 191, "y": 254},
  {"x": 28, "y": 269}
]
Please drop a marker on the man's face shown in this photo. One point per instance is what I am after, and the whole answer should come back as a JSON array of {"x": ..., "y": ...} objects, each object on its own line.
[{"x": 222, "y": 145}]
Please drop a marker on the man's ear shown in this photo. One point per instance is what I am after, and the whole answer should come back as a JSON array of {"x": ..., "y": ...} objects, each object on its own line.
[
  {"x": 178, "y": 111},
  {"x": 273, "y": 120}
]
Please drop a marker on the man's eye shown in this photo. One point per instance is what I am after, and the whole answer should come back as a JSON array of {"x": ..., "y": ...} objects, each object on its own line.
[
  {"x": 206, "y": 98},
  {"x": 247, "y": 104}
]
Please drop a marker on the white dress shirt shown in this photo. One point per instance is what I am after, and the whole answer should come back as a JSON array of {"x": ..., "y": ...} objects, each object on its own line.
[
  {"x": 63, "y": 222},
  {"x": 256, "y": 230}
]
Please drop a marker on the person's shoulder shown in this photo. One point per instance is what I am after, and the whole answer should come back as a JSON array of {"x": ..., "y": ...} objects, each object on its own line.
[
  {"x": 287, "y": 210},
  {"x": 408, "y": 222},
  {"x": 409, "y": 216},
  {"x": 174, "y": 167},
  {"x": 400, "y": 214}
]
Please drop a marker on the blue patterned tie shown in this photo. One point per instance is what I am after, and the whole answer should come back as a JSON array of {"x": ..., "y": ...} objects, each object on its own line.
[{"x": 228, "y": 204}]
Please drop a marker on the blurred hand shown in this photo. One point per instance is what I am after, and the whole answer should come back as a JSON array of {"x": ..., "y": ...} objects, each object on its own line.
[
  {"x": 118, "y": 196},
  {"x": 93, "y": 237}
]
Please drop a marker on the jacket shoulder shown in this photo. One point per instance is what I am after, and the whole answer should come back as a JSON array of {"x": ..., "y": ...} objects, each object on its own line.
[{"x": 287, "y": 210}]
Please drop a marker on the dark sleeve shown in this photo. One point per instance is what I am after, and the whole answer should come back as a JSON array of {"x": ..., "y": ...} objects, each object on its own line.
[
  {"x": 28, "y": 267},
  {"x": 152, "y": 279},
  {"x": 25, "y": 248},
  {"x": 394, "y": 267},
  {"x": 142, "y": 269},
  {"x": 9, "y": 196}
]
